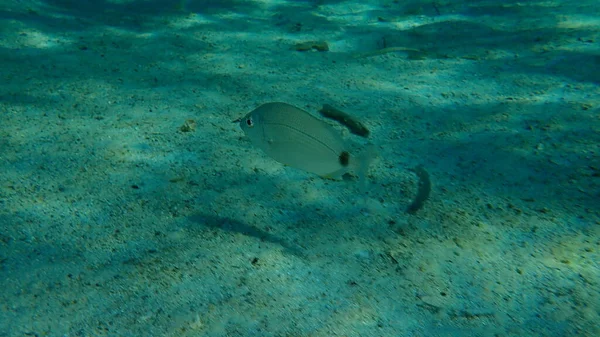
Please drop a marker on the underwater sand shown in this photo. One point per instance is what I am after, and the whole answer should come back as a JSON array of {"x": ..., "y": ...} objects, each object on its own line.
[{"x": 131, "y": 205}]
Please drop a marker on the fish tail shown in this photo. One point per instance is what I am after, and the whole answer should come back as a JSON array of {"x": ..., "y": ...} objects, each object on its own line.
[{"x": 364, "y": 160}]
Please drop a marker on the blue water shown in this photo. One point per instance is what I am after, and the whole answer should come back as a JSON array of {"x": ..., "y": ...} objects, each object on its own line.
[{"x": 132, "y": 205}]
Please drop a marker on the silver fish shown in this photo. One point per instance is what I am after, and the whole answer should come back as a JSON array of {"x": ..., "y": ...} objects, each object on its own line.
[{"x": 296, "y": 138}]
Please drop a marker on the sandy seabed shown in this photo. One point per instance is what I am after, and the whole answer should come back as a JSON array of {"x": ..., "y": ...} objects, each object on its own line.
[{"x": 131, "y": 205}]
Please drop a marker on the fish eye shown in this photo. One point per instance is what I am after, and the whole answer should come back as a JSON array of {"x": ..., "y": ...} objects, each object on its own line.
[{"x": 249, "y": 122}]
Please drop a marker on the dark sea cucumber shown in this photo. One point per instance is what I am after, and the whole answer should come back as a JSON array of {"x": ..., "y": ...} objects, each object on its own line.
[
  {"x": 423, "y": 191},
  {"x": 310, "y": 45},
  {"x": 411, "y": 52},
  {"x": 352, "y": 124}
]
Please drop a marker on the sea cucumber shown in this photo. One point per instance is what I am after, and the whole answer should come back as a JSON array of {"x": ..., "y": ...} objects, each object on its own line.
[
  {"x": 412, "y": 53},
  {"x": 306, "y": 46},
  {"x": 423, "y": 191},
  {"x": 352, "y": 124}
]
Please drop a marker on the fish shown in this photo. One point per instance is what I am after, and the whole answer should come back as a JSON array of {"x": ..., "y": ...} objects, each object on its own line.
[{"x": 298, "y": 139}]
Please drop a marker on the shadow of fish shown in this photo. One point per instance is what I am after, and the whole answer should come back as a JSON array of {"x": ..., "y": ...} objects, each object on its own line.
[{"x": 234, "y": 226}]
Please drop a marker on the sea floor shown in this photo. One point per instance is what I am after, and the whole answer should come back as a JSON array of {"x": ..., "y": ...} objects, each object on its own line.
[{"x": 131, "y": 205}]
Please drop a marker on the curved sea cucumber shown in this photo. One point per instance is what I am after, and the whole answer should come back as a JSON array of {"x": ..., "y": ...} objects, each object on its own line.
[{"x": 423, "y": 191}]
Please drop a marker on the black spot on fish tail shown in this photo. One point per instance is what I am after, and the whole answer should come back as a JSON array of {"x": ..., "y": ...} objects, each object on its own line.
[{"x": 344, "y": 158}]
